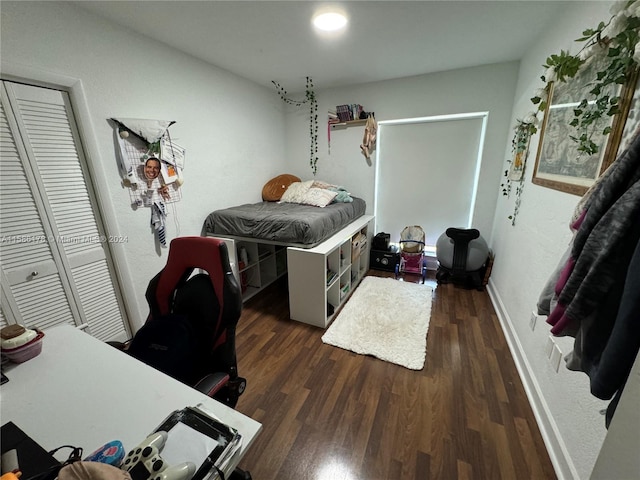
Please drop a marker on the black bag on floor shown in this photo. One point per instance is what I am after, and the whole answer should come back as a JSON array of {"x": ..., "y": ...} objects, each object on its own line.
[{"x": 381, "y": 241}]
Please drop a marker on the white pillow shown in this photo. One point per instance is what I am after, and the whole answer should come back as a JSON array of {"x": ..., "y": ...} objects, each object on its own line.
[
  {"x": 321, "y": 184},
  {"x": 296, "y": 191},
  {"x": 319, "y": 197}
]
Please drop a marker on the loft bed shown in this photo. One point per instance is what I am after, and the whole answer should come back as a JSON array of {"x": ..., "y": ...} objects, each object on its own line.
[
  {"x": 279, "y": 223},
  {"x": 300, "y": 226}
]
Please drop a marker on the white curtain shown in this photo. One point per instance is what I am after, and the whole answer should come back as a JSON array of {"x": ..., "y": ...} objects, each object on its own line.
[{"x": 426, "y": 174}]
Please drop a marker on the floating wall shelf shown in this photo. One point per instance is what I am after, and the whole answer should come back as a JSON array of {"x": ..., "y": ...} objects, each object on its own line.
[{"x": 350, "y": 123}]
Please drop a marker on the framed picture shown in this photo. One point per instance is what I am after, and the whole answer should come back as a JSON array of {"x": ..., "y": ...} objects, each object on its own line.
[
  {"x": 632, "y": 114},
  {"x": 559, "y": 164}
]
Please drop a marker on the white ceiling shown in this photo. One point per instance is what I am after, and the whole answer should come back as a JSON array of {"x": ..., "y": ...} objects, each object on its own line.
[{"x": 266, "y": 40}]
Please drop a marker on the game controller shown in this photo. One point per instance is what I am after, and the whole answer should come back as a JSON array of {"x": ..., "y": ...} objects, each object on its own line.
[{"x": 145, "y": 463}]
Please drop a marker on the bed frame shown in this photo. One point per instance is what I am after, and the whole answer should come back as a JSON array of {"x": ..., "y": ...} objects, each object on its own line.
[
  {"x": 288, "y": 224},
  {"x": 314, "y": 298}
]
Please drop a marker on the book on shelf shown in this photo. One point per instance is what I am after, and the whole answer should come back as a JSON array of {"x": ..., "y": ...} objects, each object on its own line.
[
  {"x": 356, "y": 110},
  {"x": 343, "y": 112},
  {"x": 331, "y": 276},
  {"x": 348, "y": 112}
]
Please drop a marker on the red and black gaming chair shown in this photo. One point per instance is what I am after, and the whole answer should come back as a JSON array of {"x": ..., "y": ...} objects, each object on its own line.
[{"x": 190, "y": 331}]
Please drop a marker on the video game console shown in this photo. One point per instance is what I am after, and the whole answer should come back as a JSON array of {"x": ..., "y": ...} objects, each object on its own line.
[{"x": 145, "y": 463}]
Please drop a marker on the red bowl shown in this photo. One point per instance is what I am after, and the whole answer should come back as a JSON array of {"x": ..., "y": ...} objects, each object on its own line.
[{"x": 25, "y": 352}]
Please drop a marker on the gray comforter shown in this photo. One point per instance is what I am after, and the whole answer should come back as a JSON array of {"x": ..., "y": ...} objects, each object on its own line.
[{"x": 283, "y": 223}]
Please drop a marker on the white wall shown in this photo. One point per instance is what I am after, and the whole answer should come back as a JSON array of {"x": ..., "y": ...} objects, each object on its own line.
[
  {"x": 526, "y": 255},
  {"x": 232, "y": 128},
  {"x": 488, "y": 88}
]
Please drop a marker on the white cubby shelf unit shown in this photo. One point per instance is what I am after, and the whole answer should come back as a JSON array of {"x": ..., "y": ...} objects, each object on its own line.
[
  {"x": 318, "y": 277},
  {"x": 265, "y": 263},
  {"x": 322, "y": 278}
]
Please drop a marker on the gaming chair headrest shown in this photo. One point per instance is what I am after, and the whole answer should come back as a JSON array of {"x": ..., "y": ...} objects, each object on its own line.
[{"x": 185, "y": 255}]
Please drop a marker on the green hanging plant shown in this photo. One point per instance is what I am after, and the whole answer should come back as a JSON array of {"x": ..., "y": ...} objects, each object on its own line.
[
  {"x": 310, "y": 99},
  {"x": 520, "y": 150},
  {"x": 615, "y": 45}
]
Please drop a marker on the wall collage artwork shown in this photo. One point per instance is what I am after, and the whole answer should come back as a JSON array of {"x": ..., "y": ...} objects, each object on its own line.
[{"x": 151, "y": 166}]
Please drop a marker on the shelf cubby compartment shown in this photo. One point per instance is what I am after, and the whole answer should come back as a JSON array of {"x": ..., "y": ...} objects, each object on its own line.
[
  {"x": 264, "y": 264},
  {"x": 251, "y": 250},
  {"x": 345, "y": 284},
  {"x": 267, "y": 261},
  {"x": 281, "y": 261},
  {"x": 333, "y": 297},
  {"x": 345, "y": 256},
  {"x": 268, "y": 270},
  {"x": 344, "y": 290},
  {"x": 333, "y": 262},
  {"x": 265, "y": 251}
]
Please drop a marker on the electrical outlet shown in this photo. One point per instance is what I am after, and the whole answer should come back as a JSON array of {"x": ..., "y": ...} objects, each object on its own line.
[
  {"x": 556, "y": 356},
  {"x": 548, "y": 349},
  {"x": 532, "y": 321}
]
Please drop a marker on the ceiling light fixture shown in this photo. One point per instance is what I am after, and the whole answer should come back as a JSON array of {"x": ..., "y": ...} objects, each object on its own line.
[{"x": 330, "y": 21}]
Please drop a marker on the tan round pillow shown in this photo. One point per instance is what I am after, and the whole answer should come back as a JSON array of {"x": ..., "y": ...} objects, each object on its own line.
[{"x": 274, "y": 188}]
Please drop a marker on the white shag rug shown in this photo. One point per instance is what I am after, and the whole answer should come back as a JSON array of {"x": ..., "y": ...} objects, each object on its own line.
[{"x": 386, "y": 318}]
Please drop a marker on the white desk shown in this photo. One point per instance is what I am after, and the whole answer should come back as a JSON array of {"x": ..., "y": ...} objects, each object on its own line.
[{"x": 80, "y": 391}]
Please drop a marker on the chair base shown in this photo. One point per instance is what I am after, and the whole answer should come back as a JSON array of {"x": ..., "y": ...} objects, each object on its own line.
[
  {"x": 467, "y": 280},
  {"x": 239, "y": 474}
]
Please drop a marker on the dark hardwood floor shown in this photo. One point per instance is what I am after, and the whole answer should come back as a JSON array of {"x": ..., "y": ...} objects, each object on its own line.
[{"x": 330, "y": 414}]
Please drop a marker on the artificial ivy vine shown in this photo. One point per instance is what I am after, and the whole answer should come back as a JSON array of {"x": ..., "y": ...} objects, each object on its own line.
[
  {"x": 616, "y": 46},
  {"x": 310, "y": 98},
  {"x": 520, "y": 150}
]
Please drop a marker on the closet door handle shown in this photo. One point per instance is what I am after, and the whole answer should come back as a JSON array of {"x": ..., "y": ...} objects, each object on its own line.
[{"x": 34, "y": 273}]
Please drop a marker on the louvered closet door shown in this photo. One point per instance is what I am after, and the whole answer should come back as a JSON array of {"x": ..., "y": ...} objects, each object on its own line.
[{"x": 54, "y": 266}]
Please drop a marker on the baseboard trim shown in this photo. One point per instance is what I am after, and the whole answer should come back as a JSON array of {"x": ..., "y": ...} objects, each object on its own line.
[{"x": 558, "y": 453}]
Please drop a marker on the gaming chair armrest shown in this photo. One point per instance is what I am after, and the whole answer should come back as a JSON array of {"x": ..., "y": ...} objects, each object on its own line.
[
  {"x": 213, "y": 382},
  {"x": 119, "y": 345}
]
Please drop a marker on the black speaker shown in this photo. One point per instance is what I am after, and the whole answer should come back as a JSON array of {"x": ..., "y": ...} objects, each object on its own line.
[{"x": 384, "y": 260}]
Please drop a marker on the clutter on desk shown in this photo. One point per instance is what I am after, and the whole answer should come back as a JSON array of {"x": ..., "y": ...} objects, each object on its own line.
[
  {"x": 144, "y": 461},
  {"x": 196, "y": 435},
  {"x": 112, "y": 453},
  {"x": 92, "y": 471},
  {"x": 11, "y": 476},
  {"x": 21, "y": 453},
  {"x": 19, "y": 344},
  {"x": 190, "y": 444}
]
